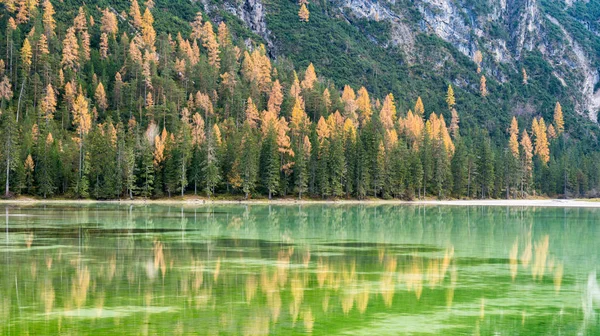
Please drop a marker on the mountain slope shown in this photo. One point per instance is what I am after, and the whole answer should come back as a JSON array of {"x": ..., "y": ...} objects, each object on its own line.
[{"x": 414, "y": 48}]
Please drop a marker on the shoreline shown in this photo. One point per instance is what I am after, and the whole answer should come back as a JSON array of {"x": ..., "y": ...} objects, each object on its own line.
[{"x": 559, "y": 203}]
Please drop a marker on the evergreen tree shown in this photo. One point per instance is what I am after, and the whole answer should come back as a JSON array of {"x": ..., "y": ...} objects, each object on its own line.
[{"x": 269, "y": 162}]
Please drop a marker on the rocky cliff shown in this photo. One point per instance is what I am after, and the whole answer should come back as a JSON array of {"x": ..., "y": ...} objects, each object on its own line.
[{"x": 505, "y": 31}]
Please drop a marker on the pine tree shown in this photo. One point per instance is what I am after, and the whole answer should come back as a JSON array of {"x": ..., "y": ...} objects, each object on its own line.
[
  {"x": 301, "y": 169},
  {"x": 249, "y": 160},
  {"x": 269, "y": 162},
  {"x": 9, "y": 148},
  {"x": 210, "y": 169},
  {"x": 459, "y": 167},
  {"x": 513, "y": 143}
]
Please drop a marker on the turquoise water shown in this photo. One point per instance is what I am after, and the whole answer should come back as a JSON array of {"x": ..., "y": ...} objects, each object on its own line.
[{"x": 107, "y": 269}]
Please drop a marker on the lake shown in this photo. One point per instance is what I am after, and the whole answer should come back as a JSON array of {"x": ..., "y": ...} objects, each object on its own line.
[{"x": 106, "y": 269}]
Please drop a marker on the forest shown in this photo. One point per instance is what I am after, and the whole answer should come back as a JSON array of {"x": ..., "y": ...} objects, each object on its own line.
[{"x": 119, "y": 109}]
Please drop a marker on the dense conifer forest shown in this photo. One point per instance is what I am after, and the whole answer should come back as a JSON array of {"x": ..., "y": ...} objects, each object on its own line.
[{"x": 104, "y": 105}]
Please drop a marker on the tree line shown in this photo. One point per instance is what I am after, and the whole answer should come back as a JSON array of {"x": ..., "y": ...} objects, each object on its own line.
[{"x": 112, "y": 109}]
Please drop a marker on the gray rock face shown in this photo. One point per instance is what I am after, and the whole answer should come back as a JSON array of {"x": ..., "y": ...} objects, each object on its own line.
[
  {"x": 525, "y": 28},
  {"x": 501, "y": 29}
]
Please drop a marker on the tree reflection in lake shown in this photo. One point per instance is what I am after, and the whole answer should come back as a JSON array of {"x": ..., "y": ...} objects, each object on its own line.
[{"x": 252, "y": 270}]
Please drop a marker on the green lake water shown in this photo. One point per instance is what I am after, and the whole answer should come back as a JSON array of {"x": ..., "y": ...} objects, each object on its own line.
[{"x": 105, "y": 269}]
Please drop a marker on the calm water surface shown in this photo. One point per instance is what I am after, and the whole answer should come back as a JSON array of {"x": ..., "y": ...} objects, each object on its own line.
[{"x": 283, "y": 270}]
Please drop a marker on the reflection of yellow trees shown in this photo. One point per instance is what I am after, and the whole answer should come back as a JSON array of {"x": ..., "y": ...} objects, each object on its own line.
[
  {"x": 527, "y": 252},
  {"x": 541, "y": 254},
  {"x": 159, "y": 258},
  {"x": 414, "y": 276},
  {"x": 251, "y": 286},
  {"x": 387, "y": 285},
  {"x": 309, "y": 320},
  {"x": 362, "y": 298},
  {"x": 48, "y": 296},
  {"x": 453, "y": 280},
  {"x": 29, "y": 239},
  {"x": 257, "y": 324},
  {"x": 558, "y": 275},
  {"x": 80, "y": 286}
]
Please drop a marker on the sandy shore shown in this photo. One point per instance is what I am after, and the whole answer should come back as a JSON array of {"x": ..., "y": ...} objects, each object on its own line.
[{"x": 574, "y": 203}]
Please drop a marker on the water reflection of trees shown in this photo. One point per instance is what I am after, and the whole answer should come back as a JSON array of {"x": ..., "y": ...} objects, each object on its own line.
[{"x": 257, "y": 270}]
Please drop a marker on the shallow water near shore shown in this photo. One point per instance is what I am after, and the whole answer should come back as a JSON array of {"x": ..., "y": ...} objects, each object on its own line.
[{"x": 103, "y": 269}]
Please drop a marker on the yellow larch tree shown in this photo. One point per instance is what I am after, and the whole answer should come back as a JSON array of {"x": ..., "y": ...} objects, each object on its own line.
[
  {"x": 387, "y": 115},
  {"x": 299, "y": 120},
  {"x": 148, "y": 32},
  {"x": 6, "y": 92},
  {"x": 26, "y": 55},
  {"x": 209, "y": 41},
  {"x": 70, "y": 53},
  {"x": 450, "y": 100},
  {"x": 100, "y": 96},
  {"x": 295, "y": 89},
  {"x": 527, "y": 148},
  {"x": 197, "y": 27},
  {"x": 223, "y": 34},
  {"x": 48, "y": 103},
  {"x": 541, "y": 140},
  {"x": 303, "y": 13},
  {"x": 350, "y": 104},
  {"x": 327, "y": 99},
  {"x": 80, "y": 21},
  {"x": 48, "y": 18},
  {"x": 310, "y": 77},
  {"x": 513, "y": 142},
  {"x": 252, "y": 116},
  {"x": 323, "y": 131},
  {"x": 43, "y": 45},
  {"x": 136, "y": 14},
  {"x": 413, "y": 127},
  {"x": 198, "y": 134},
  {"x": 559, "y": 122},
  {"x": 478, "y": 58},
  {"x": 82, "y": 119},
  {"x": 103, "y": 46},
  {"x": 483, "y": 87},
  {"x": 362, "y": 104},
  {"x": 109, "y": 23},
  {"x": 419, "y": 108},
  {"x": 275, "y": 98},
  {"x": 23, "y": 12},
  {"x": 160, "y": 142},
  {"x": 85, "y": 45},
  {"x": 551, "y": 132},
  {"x": 525, "y": 77}
]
